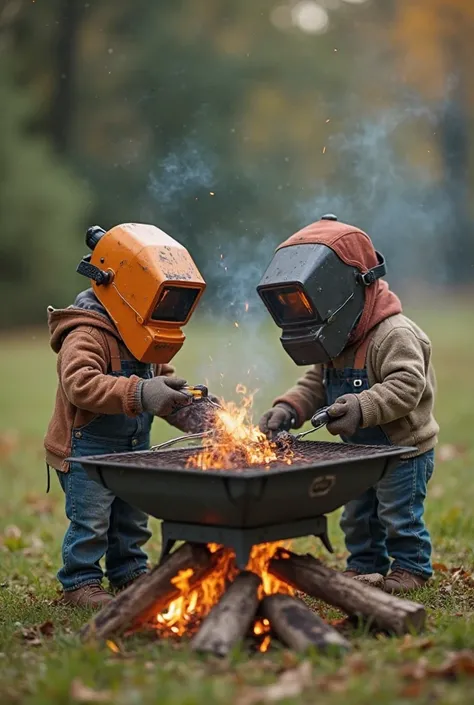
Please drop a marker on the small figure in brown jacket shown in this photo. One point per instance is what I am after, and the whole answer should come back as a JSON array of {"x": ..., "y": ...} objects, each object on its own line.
[
  {"x": 372, "y": 365},
  {"x": 113, "y": 346}
]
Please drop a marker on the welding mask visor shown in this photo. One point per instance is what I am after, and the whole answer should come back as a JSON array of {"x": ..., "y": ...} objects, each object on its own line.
[{"x": 316, "y": 299}]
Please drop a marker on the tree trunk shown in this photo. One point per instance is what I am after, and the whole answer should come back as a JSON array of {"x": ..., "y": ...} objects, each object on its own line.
[
  {"x": 229, "y": 621},
  {"x": 297, "y": 626},
  {"x": 62, "y": 99},
  {"x": 384, "y": 611},
  {"x": 149, "y": 594}
]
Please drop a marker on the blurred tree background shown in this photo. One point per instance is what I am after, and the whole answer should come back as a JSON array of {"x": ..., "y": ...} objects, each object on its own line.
[{"x": 230, "y": 125}]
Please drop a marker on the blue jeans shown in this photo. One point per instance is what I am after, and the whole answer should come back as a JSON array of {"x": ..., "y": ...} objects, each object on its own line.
[
  {"x": 386, "y": 522},
  {"x": 100, "y": 525}
]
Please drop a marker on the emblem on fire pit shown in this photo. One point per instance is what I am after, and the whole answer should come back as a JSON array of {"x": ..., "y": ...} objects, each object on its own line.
[{"x": 320, "y": 486}]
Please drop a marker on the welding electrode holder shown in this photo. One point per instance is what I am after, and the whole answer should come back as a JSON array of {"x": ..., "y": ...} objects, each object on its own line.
[{"x": 320, "y": 418}]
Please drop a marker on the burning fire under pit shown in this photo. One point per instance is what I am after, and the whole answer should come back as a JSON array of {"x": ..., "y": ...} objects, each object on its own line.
[{"x": 235, "y": 501}]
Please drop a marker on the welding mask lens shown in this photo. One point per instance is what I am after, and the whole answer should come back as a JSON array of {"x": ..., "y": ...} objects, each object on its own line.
[
  {"x": 288, "y": 304},
  {"x": 174, "y": 304}
]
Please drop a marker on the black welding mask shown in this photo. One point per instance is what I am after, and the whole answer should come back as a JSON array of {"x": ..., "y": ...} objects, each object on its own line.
[{"x": 316, "y": 299}]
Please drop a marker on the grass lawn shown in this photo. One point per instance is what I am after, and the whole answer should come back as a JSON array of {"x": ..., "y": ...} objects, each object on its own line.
[{"x": 52, "y": 667}]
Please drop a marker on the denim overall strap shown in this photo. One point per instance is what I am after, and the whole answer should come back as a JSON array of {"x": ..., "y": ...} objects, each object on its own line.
[
  {"x": 353, "y": 380},
  {"x": 100, "y": 523}
]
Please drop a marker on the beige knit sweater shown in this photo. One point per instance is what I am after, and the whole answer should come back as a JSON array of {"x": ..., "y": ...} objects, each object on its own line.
[{"x": 402, "y": 385}]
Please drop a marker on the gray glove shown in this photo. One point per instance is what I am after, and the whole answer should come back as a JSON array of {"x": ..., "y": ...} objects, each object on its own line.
[
  {"x": 196, "y": 418},
  {"x": 281, "y": 418},
  {"x": 347, "y": 416},
  {"x": 161, "y": 396}
]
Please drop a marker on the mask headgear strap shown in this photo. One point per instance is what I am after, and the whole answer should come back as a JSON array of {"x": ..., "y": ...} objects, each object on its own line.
[{"x": 371, "y": 276}]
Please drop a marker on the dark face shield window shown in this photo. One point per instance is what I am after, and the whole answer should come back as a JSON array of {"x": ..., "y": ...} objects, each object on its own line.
[
  {"x": 289, "y": 304},
  {"x": 174, "y": 304}
]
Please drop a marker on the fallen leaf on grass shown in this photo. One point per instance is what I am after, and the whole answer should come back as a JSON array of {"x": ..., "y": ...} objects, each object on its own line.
[
  {"x": 460, "y": 574},
  {"x": 412, "y": 689},
  {"x": 456, "y": 664},
  {"x": 338, "y": 682},
  {"x": 33, "y": 635},
  {"x": 83, "y": 694},
  {"x": 420, "y": 644},
  {"x": 440, "y": 568},
  {"x": 289, "y": 685}
]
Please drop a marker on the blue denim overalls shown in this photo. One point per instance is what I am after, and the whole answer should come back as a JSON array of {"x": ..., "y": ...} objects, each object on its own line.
[
  {"x": 100, "y": 523},
  {"x": 386, "y": 522}
]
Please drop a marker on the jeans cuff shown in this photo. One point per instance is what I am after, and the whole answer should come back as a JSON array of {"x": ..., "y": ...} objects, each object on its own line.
[
  {"x": 82, "y": 584},
  {"x": 128, "y": 579},
  {"x": 425, "y": 574},
  {"x": 363, "y": 570}
]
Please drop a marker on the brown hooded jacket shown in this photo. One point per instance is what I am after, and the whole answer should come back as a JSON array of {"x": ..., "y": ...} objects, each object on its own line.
[{"x": 88, "y": 346}]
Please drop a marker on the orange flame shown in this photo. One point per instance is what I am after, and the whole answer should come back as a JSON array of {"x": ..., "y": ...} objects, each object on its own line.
[
  {"x": 235, "y": 442},
  {"x": 184, "y": 614},
  {"x": 261, "y": 630}
]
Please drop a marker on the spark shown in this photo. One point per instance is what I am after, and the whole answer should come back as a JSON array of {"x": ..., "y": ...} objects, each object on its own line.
[
  {"x": 112, "y": 646},
  {"x": 211, "y": 193},
  {"x": 246, "y": 306},
  {"x": 324, "y": 150},
  {"x": 236, "y": 324},
  {"x": 210, "y": 358},
  {"x": 328, "y": 120}
]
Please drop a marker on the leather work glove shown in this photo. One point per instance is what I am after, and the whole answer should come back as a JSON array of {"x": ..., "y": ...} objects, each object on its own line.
[
  {"x": 196, "y": 418},
  {"x": 281, "y": 418},
  {"x": 161, "y": 396},
  {"x": 347, "y": 416}
]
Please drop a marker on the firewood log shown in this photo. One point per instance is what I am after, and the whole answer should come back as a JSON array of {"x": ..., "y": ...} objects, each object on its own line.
[
  {"x": 383, "y": 611},
  {"x": 229, "y": 620},
  {"x": 150, "y": 593},
  {"x": 298, "y": 627}
]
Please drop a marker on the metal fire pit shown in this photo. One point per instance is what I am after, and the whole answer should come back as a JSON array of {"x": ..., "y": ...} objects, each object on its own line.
[{"x": 240, "y": 508}]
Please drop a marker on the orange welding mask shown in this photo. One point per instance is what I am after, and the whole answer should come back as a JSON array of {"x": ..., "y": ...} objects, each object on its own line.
[{"x": 148, "y": 284}]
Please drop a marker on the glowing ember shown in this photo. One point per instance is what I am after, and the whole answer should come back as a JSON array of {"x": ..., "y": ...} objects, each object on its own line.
[
  {"x": 112, "y": 646},
  {"x": 261, "y": 630},
  {"x": 184, "y": 614},
  {"x": 235, "y": 442}
]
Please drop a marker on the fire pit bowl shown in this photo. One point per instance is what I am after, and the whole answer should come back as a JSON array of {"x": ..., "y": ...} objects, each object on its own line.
[{"x": 246, "y": 506}]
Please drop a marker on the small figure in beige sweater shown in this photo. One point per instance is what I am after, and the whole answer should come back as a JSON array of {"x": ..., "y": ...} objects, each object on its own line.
[{"x": 372, "y": 365}]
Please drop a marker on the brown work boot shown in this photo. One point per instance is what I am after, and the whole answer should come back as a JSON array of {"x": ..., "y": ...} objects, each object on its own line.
[
  {"x": 92, "y": 595},
  {"x": 351, "y": 573},
  {"x": 401, "y": 581}
]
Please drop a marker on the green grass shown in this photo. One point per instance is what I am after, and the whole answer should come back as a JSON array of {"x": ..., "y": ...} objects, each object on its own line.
[{"x": 41, "y": 671}]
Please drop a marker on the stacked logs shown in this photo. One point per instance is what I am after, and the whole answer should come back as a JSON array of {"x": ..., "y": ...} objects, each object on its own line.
[{"x": 230, "y": 620}]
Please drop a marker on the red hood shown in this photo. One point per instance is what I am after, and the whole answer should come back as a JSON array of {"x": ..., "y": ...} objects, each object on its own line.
[{"x": 355, "y": 248}]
